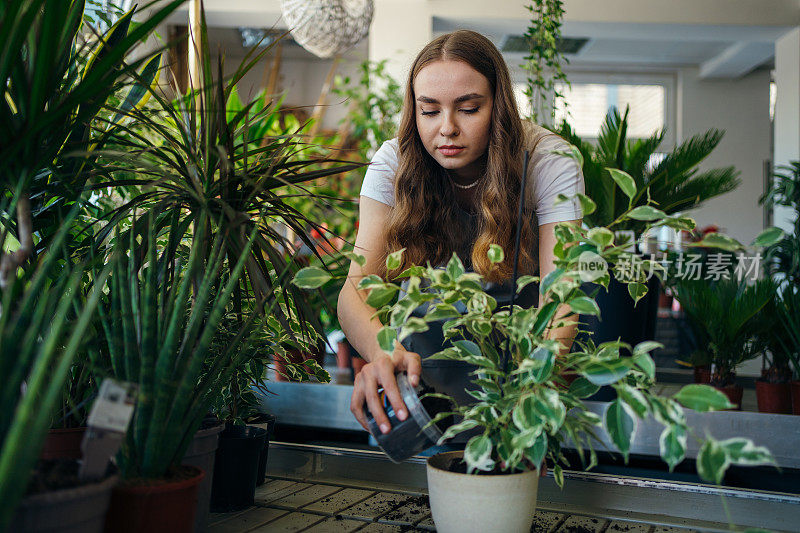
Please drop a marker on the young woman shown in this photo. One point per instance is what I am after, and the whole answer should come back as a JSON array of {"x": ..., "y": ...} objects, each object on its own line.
[{"x": 449, "y": 183}]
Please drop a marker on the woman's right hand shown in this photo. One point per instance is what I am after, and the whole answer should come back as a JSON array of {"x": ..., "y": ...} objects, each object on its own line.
[{"x": 380, "y": 372}]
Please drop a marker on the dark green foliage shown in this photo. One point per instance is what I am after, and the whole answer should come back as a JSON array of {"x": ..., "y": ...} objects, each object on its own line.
[{"x": 674, "y": 185}]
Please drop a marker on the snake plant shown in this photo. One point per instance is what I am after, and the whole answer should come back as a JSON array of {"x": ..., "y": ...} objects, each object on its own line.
[
  {"x": 41, "y": 331},
  {"x": 160, "y": 317}
]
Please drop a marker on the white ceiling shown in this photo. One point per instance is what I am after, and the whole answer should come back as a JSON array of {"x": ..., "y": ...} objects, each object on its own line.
[{"x": 719, "y": 51}]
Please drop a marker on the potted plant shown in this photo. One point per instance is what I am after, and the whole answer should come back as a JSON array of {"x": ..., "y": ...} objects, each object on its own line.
[
  {"x": 789, "y": 315},
  {"x": 773, "y": 389},
  {"x": 674, "y": 185},
  {"x": 41, "y": 331},
  {"x": 241, "y": 459},
  {"x": 524, "y": 410},
  {"x": 160, "y": 316},
  {"x": 726, "y": 311}
]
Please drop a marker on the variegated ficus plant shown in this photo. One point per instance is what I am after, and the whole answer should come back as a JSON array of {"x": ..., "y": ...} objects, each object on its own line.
[{"x": 529, "y": 400}]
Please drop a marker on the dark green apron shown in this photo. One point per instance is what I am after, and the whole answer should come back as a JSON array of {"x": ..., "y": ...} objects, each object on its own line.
[{"x": 453, "y": 377}]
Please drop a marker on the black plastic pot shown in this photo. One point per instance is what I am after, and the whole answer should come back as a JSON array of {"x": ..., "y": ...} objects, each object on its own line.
[
  {"x": 269, "y": 421},
  {"x": 236, "y": 468}
]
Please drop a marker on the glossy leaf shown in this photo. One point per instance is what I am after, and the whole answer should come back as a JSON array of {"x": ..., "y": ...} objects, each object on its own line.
[
  {"x": 311, "y": 278},
  {"x": 620, "y": 425},
  {"x": 702, "y": 398}
]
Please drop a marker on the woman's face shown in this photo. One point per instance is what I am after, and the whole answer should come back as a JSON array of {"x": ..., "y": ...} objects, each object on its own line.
[{"x": 454, "y": 113}]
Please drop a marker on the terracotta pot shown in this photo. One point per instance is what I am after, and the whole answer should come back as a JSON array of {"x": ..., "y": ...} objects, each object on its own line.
[
  {"x": 702, "y": 374},
  {"x": 358, "y": 364},
  {"x": 734, "y": 393},
  {"x": 343, "y": 354},
  {"x": 63, "y": 444},
  {"x": 774, "y": 397},
  {"x": 462, "y": 503},
  {"x": 160, "y": 506},
  {"x": 201, "y": 453},
  {"x": 795, "y": 387},
  {"x": 76, "y": 510}
]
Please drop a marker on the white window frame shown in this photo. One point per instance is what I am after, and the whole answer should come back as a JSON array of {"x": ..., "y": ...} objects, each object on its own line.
[{"x": 665, "y": 80}]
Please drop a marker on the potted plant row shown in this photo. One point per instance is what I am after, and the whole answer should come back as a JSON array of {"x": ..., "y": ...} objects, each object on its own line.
[{"x": 525, "y": 411}]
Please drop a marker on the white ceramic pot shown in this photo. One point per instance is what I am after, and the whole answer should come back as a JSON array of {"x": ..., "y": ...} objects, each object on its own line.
[{"x": 463, "y": 503}]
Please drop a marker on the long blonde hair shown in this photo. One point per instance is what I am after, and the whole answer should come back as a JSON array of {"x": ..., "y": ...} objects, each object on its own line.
[{"x": 424, "y": 220}]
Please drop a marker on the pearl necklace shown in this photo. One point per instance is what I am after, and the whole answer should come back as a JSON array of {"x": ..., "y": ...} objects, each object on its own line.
[{"x": 471, "y": 185}]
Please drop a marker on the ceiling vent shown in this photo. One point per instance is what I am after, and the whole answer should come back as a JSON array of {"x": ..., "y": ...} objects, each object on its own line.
[{"x": 519, "y": 44}]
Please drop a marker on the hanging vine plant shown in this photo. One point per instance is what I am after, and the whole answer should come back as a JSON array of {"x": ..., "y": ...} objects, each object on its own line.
[{"x": 544, "y": 60}]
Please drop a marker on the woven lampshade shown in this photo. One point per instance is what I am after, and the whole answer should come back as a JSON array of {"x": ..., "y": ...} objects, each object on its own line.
[{"x": 327, "y": 27}]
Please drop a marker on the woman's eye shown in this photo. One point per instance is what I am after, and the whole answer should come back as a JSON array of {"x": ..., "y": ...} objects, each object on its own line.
[
  {"x": 428, "y": 113},
  {"x": 470, "y": 111}
]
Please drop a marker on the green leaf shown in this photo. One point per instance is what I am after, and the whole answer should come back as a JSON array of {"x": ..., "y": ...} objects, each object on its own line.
[
  {"x": 386, "y": 338},
  {"x": 455, "y": 267},
  {"x": 547, "y": 404},
  {"x": 558, "y": 475},
  {"x": 769, "y": 236},
  {"x": 635, "y": 399},
  {"x": 602, "y": 237},
  {"x": 583, "y": 388},
  {"x": 584, "y": 305},
  {"x": 587, "y": 204},
  {"x": 573, "y": 152},
  {"x": 712, "y": 461},
  {"x": 637, "y": 291},
  {"x": 606, "y": 372},
  {"x": 536, "y": 452},
  {"x": 744, "y": 452},
  {"x": 621, "y": 425},
  {"x": 478, "y": 453},
  {"x": 523, "y": 281},
  {"x": 442, "y": 312},
  {"x": 356, "y": 258},
  {"x": 394, "y": 259},
  {"x": 624, "y": 180},
  {"x": 718, "y": 240},
  {"x": 646, "y": 363},
  {"x": 646, "y": 346},
  {"x": 380, "y": 296},
  {"x": 702, "y": 398},
  {"x": 311, "y": 278},
  {"x": 469, "y": 347},
  {"x": 412, "y": 325},
  {"x": 672, "y": 445},
  {"x": 371, "y": 281},
  {"x": 647, "y": 213},
  {"x": 541, "y": 363},
  {"x": 495, "y": 254}
]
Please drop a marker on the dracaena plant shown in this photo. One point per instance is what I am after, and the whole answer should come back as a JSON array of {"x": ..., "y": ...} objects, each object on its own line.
[{"x": 524, "y": 409}]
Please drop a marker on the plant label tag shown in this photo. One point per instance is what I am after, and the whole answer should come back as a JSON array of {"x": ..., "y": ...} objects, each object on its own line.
[
  {"x": 113, "y": 408},
  {"x": 108, "y": 422}
]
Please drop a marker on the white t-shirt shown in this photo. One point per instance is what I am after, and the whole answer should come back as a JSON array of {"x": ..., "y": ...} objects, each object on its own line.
[{"x": 549, "y": 175}]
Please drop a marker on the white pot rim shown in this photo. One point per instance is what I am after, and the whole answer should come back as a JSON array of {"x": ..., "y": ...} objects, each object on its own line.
[{"x": 445, "y": 457}]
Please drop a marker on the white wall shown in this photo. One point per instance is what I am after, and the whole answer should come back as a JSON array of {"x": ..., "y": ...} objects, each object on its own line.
[{"x": 741, "y": 108}]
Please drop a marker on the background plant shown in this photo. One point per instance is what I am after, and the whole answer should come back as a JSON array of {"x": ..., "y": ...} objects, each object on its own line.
[
  {"x": 783, "y": 258},
  {"x": 674, "y": 185},
  {"x": 56, "y": 82},
  {"x": 41, "y": 331},
  {"x": 727, "y": 313},
  {"x": 544, "y": 60},
  {"x": 524, "y": 409}
]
